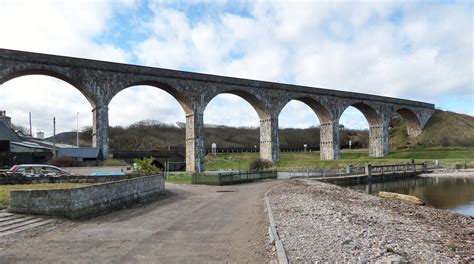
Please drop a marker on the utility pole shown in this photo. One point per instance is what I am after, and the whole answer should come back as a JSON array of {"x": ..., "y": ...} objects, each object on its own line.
[
  {"x": 77, "y": 128},
  {"x": 31, "y": 133},
  {"x": 54, "y": 136}
]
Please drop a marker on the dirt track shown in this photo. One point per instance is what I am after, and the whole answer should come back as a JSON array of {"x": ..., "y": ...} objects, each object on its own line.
[{"x": 194, "y": 224}]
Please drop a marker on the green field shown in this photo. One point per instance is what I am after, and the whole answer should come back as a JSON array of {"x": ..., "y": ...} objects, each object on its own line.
[
  {"x": 295, "y": 160},
  {"x": 5, "y": 189},
  {"x": 179, "y": 178}
]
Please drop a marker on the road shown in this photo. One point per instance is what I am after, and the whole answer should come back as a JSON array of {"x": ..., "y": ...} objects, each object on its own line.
[{"x": 193, "y": 224}]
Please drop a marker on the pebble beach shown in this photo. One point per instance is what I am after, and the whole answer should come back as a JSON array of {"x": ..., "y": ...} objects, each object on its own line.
[{"x": 319, "y": 222}]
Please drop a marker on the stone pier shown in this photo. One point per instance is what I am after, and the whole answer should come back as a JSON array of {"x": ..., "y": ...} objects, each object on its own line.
[
  {"x": 269, "y": 142},
  {"x": 329, "y": 141}
]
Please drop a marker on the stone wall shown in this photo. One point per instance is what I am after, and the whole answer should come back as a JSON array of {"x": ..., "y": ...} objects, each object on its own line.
[{"x": 89, "y": 200}]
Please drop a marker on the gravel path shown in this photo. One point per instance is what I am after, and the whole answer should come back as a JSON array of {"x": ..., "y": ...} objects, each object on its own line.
[
  {"x": 323, "y": 222},
  {"x": 194, "y": 224}
]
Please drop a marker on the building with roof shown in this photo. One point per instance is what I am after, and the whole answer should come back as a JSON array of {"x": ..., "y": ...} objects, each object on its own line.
[
  {"x": 87, "y": 156},
  {"x": 17, "y": 148}
]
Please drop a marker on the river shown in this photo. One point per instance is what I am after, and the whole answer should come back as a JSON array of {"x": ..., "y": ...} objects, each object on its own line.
[{"x": 453, "y": 194}]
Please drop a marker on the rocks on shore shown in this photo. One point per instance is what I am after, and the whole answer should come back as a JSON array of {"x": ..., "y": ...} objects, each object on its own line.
[
  {"x": 323, "y": 222},
  {"x": 407, "y": 198}
]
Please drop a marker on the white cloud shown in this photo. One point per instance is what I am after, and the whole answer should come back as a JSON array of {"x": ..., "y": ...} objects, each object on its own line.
[
  {"x": 56, "y": 27},
  {"x": 413, "y": 50},
  {"x": 230, "y": 110},
  {"x": 353, "y": 118},
  {"x": 144, "y": 102},
  {"x": 45, "y": 98},
  {"x": 59, "y": 27},
  {"x": 392, "y": 49},
  {"x": 297, "y": 114}
]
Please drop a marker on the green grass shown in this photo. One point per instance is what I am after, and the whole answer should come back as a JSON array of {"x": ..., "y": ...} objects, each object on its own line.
[
  {"x": 181, "y": 178},
  {"x": 233, "y": 161},
  {"x": 293, "y": 160},
  {"x": 5, "y": 189},
  {"x": 444, "y": 129},
  {"x": 450, "y": 154}
]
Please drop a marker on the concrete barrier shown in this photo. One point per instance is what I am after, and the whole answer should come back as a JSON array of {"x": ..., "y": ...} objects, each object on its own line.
[
  {"x": 89, "y": 200},
  {"x": 273, "y": 234}
]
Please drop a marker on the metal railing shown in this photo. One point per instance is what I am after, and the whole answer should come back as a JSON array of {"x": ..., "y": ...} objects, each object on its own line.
[
  {"x": 354, "y": 170},
  {"x": 228, "y": 178},
  {"x": 322, "y": 172},
  {"x": 380, "y": 170}
]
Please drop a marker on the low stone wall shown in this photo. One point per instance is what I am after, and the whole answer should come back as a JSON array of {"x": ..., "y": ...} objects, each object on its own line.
[
  {"x": 89, "y": 200},
  {"x": 21, "y": 179}
]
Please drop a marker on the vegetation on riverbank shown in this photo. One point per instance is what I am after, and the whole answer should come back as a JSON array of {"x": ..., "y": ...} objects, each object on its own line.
[
  {"x": 179, "y": 178},
  {"x": 5, "y": 189}
]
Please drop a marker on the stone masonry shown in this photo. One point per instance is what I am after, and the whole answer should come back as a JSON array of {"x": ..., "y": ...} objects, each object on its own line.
[
  {"x": 100, "y": 81},
  {"x": 89, "y": 200}
]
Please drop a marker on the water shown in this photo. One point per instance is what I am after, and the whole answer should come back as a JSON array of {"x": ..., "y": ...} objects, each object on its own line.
[{"x": 454, "y": 194}]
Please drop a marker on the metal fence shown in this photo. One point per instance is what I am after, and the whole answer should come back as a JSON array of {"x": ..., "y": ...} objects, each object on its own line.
[
  {"x": 322, "y": 172},
  {"x": 354, "y": 170},
  {"x": 229, "y": 178}
]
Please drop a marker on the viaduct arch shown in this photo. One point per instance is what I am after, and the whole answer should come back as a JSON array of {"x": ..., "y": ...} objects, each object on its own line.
[{"x": 100, "y": 81}]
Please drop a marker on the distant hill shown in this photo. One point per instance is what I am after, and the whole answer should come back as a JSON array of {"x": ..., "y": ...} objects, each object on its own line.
[
  {"x": 444, "y": 129},
  {"x": 153, "y": 135},
  {"x": 65, "y": 138}
]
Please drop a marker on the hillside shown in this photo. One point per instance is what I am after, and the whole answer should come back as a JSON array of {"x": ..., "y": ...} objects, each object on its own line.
[
  {"x": 65, "y": 138},
  {"x": 153, "y": 135},
  {"x": 444, "y": 129}
]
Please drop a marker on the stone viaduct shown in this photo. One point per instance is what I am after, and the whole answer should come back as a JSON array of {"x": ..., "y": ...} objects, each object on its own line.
[{"x": 100, "y": 81}]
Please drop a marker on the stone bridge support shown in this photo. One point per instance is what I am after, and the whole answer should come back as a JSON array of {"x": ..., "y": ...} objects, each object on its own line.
[
  {"x": 269, "y": 141},
  {"x": 329, "y": 140},
  {"x": 100, "y": 128},
  {"x": 195, "y": 142},
  {"x": 378, "y": 139}
]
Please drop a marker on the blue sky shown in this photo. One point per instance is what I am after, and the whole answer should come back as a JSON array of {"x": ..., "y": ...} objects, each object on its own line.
[{"x": 419, "y": 50}]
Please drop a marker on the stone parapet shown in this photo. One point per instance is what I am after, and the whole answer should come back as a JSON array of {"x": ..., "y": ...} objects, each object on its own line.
[{"x": 89, "y": 200}]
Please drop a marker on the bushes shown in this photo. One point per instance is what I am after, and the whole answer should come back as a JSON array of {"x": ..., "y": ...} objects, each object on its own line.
[
  {"x": 260, "y": 164},
  {"x": 64, "y": 162},
  {"x": 114, "y": 162},
  {"x": 145, "y": 166}
]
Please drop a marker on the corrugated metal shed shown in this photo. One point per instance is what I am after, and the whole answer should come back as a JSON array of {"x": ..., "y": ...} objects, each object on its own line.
[
  {"x": 47, "y": 144},
  {"x": 85, "y": 153},
  {"x": 29, "y": 145}
]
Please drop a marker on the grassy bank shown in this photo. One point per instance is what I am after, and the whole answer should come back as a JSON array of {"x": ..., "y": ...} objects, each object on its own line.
[
  {"x": 180, "y": 178},
  {"x": 5, "y": 189},
  {"x": 290, "y": 160}
]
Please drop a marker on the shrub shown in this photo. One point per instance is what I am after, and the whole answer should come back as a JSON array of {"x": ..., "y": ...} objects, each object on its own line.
[
  {"x": 145, "y": 166},
  {"x": 260, "y": 164},
  {"x": 64, "y": 162},
  {"x": 114, "y": 162}
]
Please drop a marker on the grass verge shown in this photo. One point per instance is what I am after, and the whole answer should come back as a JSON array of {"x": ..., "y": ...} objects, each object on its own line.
[{"x": 181, "y": 178}]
